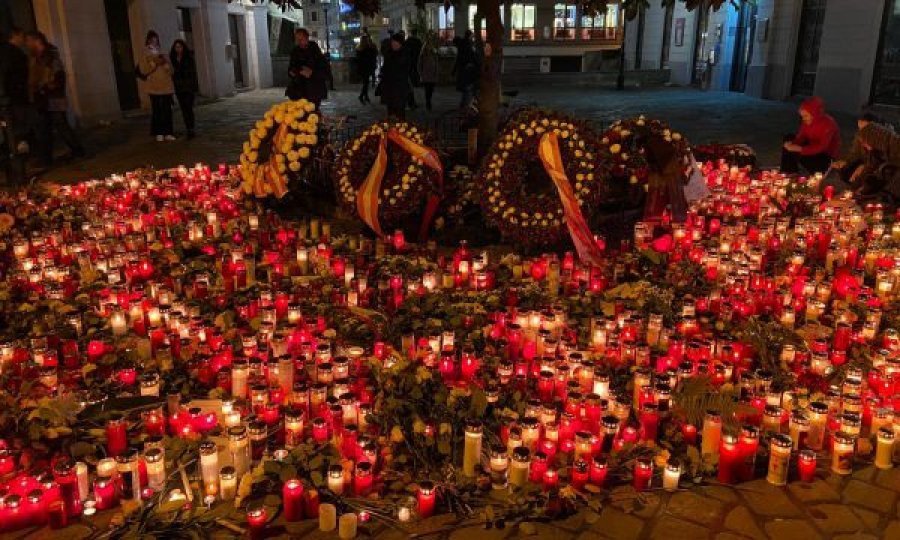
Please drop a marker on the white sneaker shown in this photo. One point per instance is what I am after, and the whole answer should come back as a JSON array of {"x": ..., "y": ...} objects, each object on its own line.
[
  {"x": 160, "y": 138},
  {"x": 171, "y": 138}
]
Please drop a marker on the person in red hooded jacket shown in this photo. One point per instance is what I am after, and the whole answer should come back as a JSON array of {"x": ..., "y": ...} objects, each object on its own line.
[{"x": 816, "y": 144}]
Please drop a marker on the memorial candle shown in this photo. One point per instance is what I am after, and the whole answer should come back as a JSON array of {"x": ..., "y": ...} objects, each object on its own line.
[
  {"x": 747, "y": 447},
  {"x": 347, "y": 525},
  {"x": 336, "y": 479},
  {"x": 472, "y": 447},
  {"x": 116, "y": 435},
  {"x": 806, "y": 465},
  {"x": 884, "y": 448},
  {"x": 209, "y": 466},
  {"x": 818, "y": 418},
  {"x": 643, "y": 474},
  {"x": 842, "y": 453},
  {"x": 105, "y": 493},
  {"x": 292, "y": 500},
  {"x": 729, "y": 458},
  {"x": 425, "y": 497},
  {"x": 672, "y": 475},
  {"x": 228, "y": 483},
  {"x": 257, "y": 516},
  {"x": 363, "y": 479},
  {"x": 779, "y": 459},
  {"x": 712, "y": 433},
  {"x": 156, "y": 468},
  {"x": 518, "y": 471},
  {"x": 498, "y": 467},
  {"x": 239, "y": 448}
]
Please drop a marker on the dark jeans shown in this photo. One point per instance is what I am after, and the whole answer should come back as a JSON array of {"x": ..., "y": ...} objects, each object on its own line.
[
  {"x": 186, "y": 104},
  {"x": 47, "y": 123},
  {"x": 791, "y": 162},
  {"x": 364, "y": 90},
  {"x": 429, "y": 91},
  {"x": 161, "y": 115}
]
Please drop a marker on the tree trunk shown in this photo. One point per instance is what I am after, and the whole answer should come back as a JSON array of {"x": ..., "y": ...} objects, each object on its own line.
[
  {"x": 620, "y": 80},
  {"x": 489, "y": 82}
]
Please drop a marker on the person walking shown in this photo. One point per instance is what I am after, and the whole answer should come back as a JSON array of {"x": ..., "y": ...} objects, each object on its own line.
[
  {"x": 428, "y": 69},
  {"x": 394, "y": 82},
  {"x": 307, "y": 70},
  {"x": 466, "y": 69},
  {"x": 15, "y": 106},
  {"x": 184, "y": 76},
  {"x": 366, "y": 62},
  {"x": 47, "y": 90},
  {"x": 413, "y": 47},
  {"x": 817, "y": 142},
  {"x": 156, "y": 72}
]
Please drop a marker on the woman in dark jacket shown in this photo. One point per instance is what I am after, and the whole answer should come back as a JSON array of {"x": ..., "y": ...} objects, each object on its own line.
[
  {"x": 184, "y": 75},
  {"x": 366, "y": 62},
  {"x": 308, "y": 70},
  {"x": 395, "y": 87}
]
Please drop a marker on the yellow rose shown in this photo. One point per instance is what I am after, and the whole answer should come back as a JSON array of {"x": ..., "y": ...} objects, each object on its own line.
[
  {"x": 396, "y": 434},
  {"x": 616, "y": 148},
  {"x": 304, "y": 152},
  {"x": 294, "y": 166}
]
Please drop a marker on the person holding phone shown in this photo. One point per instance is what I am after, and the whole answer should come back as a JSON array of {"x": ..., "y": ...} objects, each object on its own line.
[
  {"x": 156, "y": 72},
  {"x": 308, "y": 70}
]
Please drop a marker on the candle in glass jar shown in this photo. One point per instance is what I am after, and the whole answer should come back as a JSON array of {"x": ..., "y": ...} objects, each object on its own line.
[
  {"x": 293, "y": 427},
  {"x": 842, "y": 453},
  {"x": 116, "y": 435},
  {"x": 499, "y": 465},
  {"x": 729, "y": 458},
  {"x": 327, "y": 517},
  {"x": 156, "y": 468},
  {"x": 518, "y": 470},
  {"x": 425, "y": 498},
  {"x": 240, "y": 371},
  {"x": 118, "y": 322},
  {"x": 671, "y": 475},
  {"x": 884, "y": 448},
  {"x": 105, "y": 493},
  {"x": 239, "y": 447},
  {"x": 712, "y": 433},
  {"x": 227, "y": 483},
  {"x": 209, "y": 466},
  {"x": 292, "y": 500},
  {"x": 806, "y": 465},
  {"x": 347, "y": 526},
  {"x": 818, "y": 417},
  {"x": 779, "y": 459},
  {"x": 257, "y": 516},
  {"x": 336, "y": 479},
  {"x": 643, "y": 474},
  {"x": 81, "y": 473},
  {"x": 472, "y": 447}
]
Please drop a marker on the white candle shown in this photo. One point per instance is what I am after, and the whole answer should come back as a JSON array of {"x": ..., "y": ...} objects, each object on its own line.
[
  {"x": 227, "y": 483},
  {"x": 327, "y": 517},
  {"x": 336, "y": 479},
  {"x": 779, "y": 459},
  {"x": 156, "y": 468},
  {"x": 672, "y": 475},
  {"x": 240, "y": 371},
  {"x": 81, "y": 473},
  {"x": 472, "y": 448},
  {"x": 884, "y": 448},
  {"x": 118, "y": 323},
  {"x": 209, "y": 466},
  {"x": 239, "y": 446},
  {"x": 347, "y": 526},
  {"x": 842, "y": 454},
  {"x": 286, "y": 374}
]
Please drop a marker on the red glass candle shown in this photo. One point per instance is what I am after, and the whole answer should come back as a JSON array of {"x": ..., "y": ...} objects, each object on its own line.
[
  {"x": 550, "y": 479},
  {"x": 256, "y": 522},
  {"x": 649, "y": 422},
  {"x": 598, "y": 471},
  {"x": 747, "y": 446},
  {"x": 729, "y": 458},
  {"x": 426, "y": 496},
  {"x": 105, "y": 493},
  {"x": 806, "y": 465},
  {"x": 116, "y": 435},
  {"x": 363, "y": 479},
  {"x": 538, "y": 467},
  {"x": 319, "y": 430},
  {"x": 643, "y": 474},
  {"x": 292, "y": 499},
  {"x": 311, "y": 504},
  {"x": 580, "y": 474}
]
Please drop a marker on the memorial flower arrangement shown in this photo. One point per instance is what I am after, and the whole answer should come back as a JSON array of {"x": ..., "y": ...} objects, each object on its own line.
[
  {"x": 173, "y": 354},
  {"x": 738, "y": 155},
  {"x": 403, "y": 181},
  {"x": 624, "y": 142},
  {"x": 518, "y": 195},
  {"x": 278, "y": 146}
]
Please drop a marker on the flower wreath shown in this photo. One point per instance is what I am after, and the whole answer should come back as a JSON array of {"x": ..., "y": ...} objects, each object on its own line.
[
  {"x": 407, "y": 174},
  {"x": 737, "y": 155},
  {"x": 623, "y": 142},
  {"x": 277, "y": 146},
  {"x": 518, "y": 194}
]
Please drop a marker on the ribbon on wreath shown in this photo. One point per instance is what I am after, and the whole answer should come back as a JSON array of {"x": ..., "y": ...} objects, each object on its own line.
[
  {"x": 548, "y": 151},
  {"x": 276, "y": 181},
  {"x": 367, "y": 195}
]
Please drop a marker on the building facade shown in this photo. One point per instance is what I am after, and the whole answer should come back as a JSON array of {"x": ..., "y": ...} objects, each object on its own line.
[
  {"x": 100, "y": 42},
  {"x": 846, "y": 51},
  {"x": 540, "y": 35}
]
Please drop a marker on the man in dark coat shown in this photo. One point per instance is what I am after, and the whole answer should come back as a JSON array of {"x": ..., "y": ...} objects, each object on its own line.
[
  {"x": 394, "y": 82},
  {"x": 413, "y": 47},
  {"x": 875, "y": 162},
  {"x": 308, "y": 70}
]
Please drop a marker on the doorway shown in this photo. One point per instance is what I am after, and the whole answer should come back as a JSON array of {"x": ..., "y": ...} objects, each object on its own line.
[
  {"x": 743, "y": 46},
  {"x": 699, "y": 74},
  {"x": 812, "y": 19},
  {"x": 237, "y": 56},
  {"x": 667, "y": 36},
  {"x": 123, "y": 58}
]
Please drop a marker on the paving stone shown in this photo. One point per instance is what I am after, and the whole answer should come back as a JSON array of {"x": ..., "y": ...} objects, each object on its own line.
[
  {"x": 892, "y": 530},
  {"x": 870, "y": 519},
  {"x": 835, "y": 518},
  {"x": 741, "y": 520},
  {"x": 649, "y": 505},
  {"x": 730, "y": 536},
  {"x": 617, "y": 524},
  {"x": 869, "y": 496},
  {"x": 468, "y": 533},
  {"x": 866, "y": 475},
  {"x": 668, "y": 528},
  {"x": 590, "y": 535},
  {"x": 767, "y": 500},
  {"x": 855, "y": 536},
  {"x": 723, "y": 493},
  {"x": 813, "y": 492},
  {"x": 889, "y": 478},
  {"x": 689, "y": 505},
  {"x": 793, "y": 529}
]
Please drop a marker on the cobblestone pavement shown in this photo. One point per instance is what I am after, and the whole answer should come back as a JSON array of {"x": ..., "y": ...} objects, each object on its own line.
[
  {"x": 863, "y": 506},
  {"x": 223, "y": 124}
]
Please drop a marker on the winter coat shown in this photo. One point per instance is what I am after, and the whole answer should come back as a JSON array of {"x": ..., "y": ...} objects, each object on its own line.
[
  {"x": 157, "y": 73},
  {"x": 466, "y": 66},
  {"x": 312, "y": 88},
  {"x": 47, "y": 81},
  {"x": 413, "y": 47},
  {"x": 366, "y": 60},
  {"x": 428, "y": 66},
  {"x": 14, "y": 69},
  {"x": 394, "y": 84},
  {"x": 822, "y": 135},
  {"x": 184, "y": 73}
]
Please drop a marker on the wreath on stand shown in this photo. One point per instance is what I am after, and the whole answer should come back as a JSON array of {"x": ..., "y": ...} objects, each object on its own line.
[
  {"x": 625, "y": 140},
  {"x": 279, "y": 147},
  {"x": 520, "y": 196},
  {"x": 385, "y": 175}
]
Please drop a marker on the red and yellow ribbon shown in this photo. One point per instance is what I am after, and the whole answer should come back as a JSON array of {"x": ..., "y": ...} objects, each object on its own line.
[
  {"x": 367, "y": 195},
  {"x": 548, "y": 150}
]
